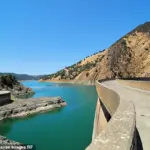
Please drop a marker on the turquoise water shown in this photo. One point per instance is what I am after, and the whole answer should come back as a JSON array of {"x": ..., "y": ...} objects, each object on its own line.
[{"x": 68, "y": 128}]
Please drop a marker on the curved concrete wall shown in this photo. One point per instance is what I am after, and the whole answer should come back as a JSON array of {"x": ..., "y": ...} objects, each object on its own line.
[
  {"x": 114, "y": 124},
  {"x": 4, "y": 97},
  {"x": 144, "y": 85}
]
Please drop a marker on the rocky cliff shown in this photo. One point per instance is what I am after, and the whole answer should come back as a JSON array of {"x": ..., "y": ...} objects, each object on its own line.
[
  {"x": 126, "y": 58},
  {"x": 9, "y": 82}
]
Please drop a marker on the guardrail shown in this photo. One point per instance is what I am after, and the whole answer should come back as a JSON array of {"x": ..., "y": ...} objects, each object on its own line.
[{"x": 114, "y": 124}]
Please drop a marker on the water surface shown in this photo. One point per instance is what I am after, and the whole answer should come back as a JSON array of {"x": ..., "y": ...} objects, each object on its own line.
[{"x": 68, "y": 128}]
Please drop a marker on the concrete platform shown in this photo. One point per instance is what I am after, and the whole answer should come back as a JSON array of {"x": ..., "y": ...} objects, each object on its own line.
[{"x": 4, "y": 92}]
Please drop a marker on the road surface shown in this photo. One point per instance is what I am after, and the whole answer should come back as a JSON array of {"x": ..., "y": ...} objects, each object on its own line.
[{"x": 141, "y": 99}]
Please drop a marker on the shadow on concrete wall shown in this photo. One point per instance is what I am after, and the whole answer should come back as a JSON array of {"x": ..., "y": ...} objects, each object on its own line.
[
  {"x": 138, "y": 140},
  {"x": 138, "y": 144},
  {"x": 137, "y": 78},
  {"x": 105, "y": 111},
  {"x": 6, "y": 103}
]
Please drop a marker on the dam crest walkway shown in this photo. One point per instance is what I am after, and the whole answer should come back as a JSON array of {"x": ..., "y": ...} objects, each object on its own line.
[{"x": 141, "y": 100}]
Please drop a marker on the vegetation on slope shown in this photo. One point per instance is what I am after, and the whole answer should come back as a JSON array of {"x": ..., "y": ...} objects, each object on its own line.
[
  {"x": 71, "y": 72},
  {"x": 128, "y": 57},
  {"x": 10, "y": 83}
]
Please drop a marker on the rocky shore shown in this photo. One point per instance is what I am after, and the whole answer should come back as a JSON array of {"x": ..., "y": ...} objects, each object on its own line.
[
  {"x": 5, "y": 141},
  {"x": 10, "y": 83},
  {"x": 24, "y": 107},
  {"x": 21, "y": 91}
]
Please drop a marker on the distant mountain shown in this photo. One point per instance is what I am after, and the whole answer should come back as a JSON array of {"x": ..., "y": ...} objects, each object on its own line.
[
  {"x": 24, "y": 76},
  {"x": 129, "y": 57}
]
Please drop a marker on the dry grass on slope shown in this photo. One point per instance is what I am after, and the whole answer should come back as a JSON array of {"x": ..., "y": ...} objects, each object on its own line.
[{"x": 92, "y": 58}]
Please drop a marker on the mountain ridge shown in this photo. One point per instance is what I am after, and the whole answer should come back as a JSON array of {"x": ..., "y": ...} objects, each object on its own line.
[
  {"x": 128, "y": 57},
  {"x": 23, "y": 76}
]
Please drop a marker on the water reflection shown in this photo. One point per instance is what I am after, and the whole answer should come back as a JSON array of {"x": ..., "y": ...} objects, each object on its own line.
[{"x": 6, "y": 126}]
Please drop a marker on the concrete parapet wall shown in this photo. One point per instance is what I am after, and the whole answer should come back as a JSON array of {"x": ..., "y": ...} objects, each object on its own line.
[
  {"x": 4, "y": 97},
  {"x": 144, "y": 85},
  {"x": 117, "y": 132},
  {"x": 100, "y": 120}
]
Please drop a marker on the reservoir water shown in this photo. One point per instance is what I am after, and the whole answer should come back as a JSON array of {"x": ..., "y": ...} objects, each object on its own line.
[{"x": 68, "y": 128}]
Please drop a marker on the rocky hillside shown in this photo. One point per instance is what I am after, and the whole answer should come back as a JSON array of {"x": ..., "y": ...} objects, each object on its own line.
[
  {"x": 10, "y": 83},
  {"x": 126, "y": 58}
]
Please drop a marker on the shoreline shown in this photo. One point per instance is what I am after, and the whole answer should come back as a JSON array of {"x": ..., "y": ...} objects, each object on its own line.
[
  {"x": 26, "y": 107},
  {"x": 87, "y": 83},
  {"x": 23, "y": 107},
  {"x": 38, "y": 110}
]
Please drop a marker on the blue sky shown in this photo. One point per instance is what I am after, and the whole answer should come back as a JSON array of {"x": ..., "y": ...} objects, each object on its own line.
[{"x": 43, "y": 36}]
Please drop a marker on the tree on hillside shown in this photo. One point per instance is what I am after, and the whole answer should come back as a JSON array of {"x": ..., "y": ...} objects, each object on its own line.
[{"x": 87, "y": 74}]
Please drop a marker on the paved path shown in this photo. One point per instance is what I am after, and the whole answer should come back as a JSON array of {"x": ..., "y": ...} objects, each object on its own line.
[{"x": 141, "y": 99}]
